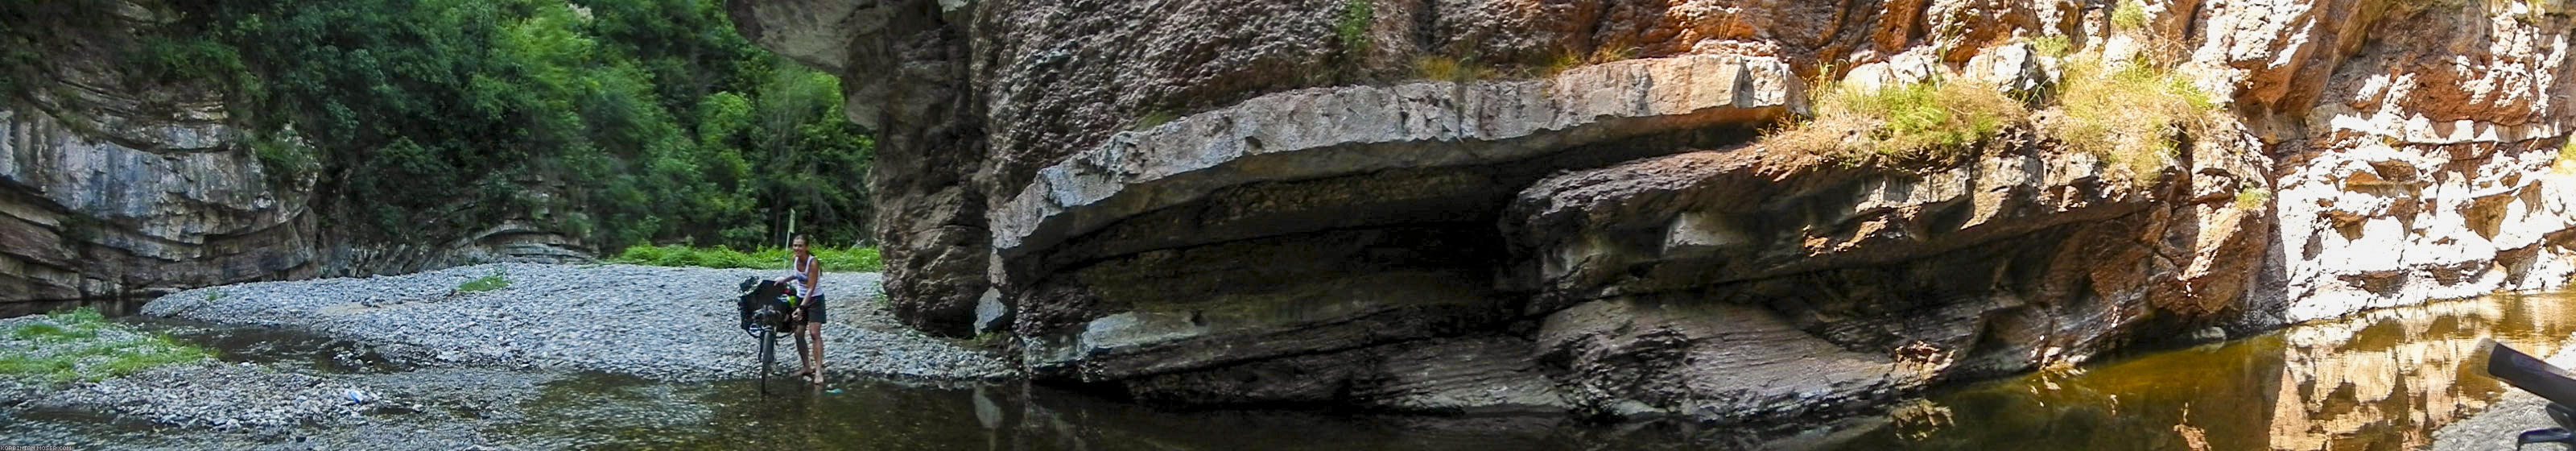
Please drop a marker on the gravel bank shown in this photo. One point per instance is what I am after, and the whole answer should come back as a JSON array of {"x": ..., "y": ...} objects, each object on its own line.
[
  {"x": 654, "y": 322},
  {"x": 186, "y": 390},
  {"x": 217, "y": 395},
  {"x": 2495, "y": 428},
  {"x": 285, "y": 406}
]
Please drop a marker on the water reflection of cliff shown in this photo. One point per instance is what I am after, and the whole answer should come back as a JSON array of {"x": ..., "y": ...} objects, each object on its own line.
[
  {"x": 2385, "y": 380},
  {"x": 2378, "y": 381},
  {"x": 2381, "y": 380}
]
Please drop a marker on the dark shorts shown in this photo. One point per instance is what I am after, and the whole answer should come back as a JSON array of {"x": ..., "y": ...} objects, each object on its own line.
[{"x": 814, "y": 309}]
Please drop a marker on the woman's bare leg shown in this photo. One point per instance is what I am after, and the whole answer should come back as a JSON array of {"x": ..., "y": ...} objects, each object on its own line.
[
  {"x": 813, "y": 332},
  {"x": 803, "y": 357}
]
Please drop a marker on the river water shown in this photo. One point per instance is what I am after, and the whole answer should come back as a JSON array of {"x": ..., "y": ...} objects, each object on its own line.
[{"x": 2381, "y": 380}]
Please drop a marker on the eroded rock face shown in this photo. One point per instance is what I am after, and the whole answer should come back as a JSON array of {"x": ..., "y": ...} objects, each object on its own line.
[
  {"x": 162, "y": 203},
  {"x": 1268, "y": 202},
  {"x": 1741, "y": 284},
  {"x": 2424, "y": 168}
]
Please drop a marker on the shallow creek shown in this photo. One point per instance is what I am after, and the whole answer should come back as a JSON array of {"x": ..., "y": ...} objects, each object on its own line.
[{"x": 2380, "y": 380}]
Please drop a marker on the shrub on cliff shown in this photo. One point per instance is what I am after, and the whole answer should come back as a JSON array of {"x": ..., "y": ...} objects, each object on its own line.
[
  {"x": 2130, "y": 114},
  {"x": 1928, "y": 122}
]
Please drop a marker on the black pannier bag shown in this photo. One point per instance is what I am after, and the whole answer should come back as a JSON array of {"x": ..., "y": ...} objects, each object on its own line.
[{"x": 757, "y": 292}]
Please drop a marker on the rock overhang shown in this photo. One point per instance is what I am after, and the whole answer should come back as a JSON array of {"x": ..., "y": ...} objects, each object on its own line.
[{"x": 1328, "y": 132}]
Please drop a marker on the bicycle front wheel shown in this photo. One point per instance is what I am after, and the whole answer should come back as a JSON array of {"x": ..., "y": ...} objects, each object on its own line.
[{"x": 768, "y": 354}]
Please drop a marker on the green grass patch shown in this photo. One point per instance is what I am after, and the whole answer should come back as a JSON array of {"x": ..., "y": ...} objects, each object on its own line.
[
  {"x": 68, "y": 348},
  {"x": 1352, "y": 27},
  {"x": 150, "y": 352},
  {"x": 2056, "y": 46},
  {"x": 1923, "y": 123},
  {"x": 2129, "y": 15},
  {"x": 65, "y": 325},
  {"x": 834, "y": 259},
  {"x": 1155, "y": 118},
  {"x": 2252, "y": 197},
  {"x": 2129, "y": 114},
  {"x": 50, "y": 370},
  {"x": 494, "y": 281},
  {"x": 50, "y": 332},
  {"x": 83, "y": 317}
]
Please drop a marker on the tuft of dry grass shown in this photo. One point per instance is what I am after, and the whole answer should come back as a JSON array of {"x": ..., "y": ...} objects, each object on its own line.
[
  {"x": 2130, "y": 114},
  {"x": 1437, "y": 67},
  {"x": 1570, "y": 59},
  {"x": 1922, "y": 123}
]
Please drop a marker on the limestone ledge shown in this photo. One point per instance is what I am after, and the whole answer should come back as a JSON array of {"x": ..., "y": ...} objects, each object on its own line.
[{"x": 1348, "y": 130}]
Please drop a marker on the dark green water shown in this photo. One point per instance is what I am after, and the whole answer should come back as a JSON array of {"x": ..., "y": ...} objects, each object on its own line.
[{"x": 2380, "y": 380}]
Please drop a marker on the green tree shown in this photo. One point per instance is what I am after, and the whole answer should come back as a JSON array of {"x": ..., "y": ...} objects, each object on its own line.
[{"x": 623, "y": 122}]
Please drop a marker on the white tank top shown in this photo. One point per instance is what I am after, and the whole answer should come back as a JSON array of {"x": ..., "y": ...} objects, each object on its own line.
[{"x": 800, "y": 264}]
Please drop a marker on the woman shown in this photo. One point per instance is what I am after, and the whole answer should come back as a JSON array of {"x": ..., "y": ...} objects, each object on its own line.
[{"x": 809, "y": 313}]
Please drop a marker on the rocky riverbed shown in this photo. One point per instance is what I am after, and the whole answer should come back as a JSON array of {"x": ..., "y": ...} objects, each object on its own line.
[
  {"x": 414, "y": 362},
  {"x": 654, "y": 322}
]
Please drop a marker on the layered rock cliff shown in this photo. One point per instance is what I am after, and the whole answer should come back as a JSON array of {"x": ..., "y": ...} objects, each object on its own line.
[
  {"x": 1527, "y": 205},
  {"x": 117, "y": 186}
]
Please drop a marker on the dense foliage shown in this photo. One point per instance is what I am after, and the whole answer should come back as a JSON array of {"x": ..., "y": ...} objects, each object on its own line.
[
  {"x": 620, "y": 121},
  {"x": 833, "y": 259}
]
